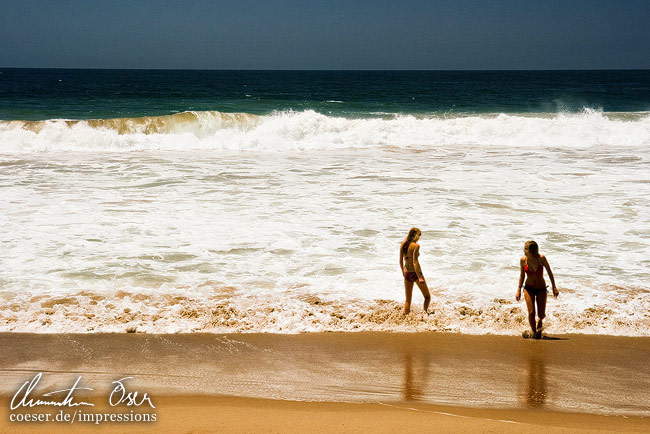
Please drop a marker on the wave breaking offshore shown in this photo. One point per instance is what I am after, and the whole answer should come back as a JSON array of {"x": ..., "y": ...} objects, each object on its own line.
[{"x": 309, "y": 130}]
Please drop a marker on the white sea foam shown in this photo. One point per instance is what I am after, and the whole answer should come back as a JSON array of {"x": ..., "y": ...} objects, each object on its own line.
[
  {"x": 310, "y": 130},
  {"x": 147, "y": 236},
  {"x": 187, "y": 311}
]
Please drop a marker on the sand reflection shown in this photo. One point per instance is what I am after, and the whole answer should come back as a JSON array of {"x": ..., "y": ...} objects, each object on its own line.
[
  {"x": 536, "y": 393},
  {"x": 416, "y": 375}
]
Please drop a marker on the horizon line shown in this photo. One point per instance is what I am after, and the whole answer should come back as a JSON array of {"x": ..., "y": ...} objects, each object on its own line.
[{"x": 324, "y": 70}]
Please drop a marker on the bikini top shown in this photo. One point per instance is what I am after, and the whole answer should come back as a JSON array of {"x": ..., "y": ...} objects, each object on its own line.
[
  {"x": 540, "y": 269},
  {"x": 408, "y": 257}
]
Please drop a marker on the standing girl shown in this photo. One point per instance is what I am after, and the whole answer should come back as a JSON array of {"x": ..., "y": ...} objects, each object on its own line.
[
  {"x": 532, "y": 266},
  {"x": 408, "y": 263}
]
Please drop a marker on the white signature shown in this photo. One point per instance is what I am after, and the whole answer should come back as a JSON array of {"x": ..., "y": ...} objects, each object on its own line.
[
  {"x": 129, "y": 398},
  {"x": 26, "y": 401},
  {"x": 119, "y": 395}
]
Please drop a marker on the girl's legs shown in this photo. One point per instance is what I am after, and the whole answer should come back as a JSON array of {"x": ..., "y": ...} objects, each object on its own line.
[
  {"x": 530, "y": 303},
  {"x": 541, "y": 308},
  {"x": 427, "y": 296},
  {"x": 408, "y": 287}
]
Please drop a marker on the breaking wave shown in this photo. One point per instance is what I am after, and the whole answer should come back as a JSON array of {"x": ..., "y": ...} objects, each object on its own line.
[{"x": 310, "y": 130}]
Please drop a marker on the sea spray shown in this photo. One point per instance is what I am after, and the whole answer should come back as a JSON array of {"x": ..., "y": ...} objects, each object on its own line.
[{"x": 308, "y": 130}]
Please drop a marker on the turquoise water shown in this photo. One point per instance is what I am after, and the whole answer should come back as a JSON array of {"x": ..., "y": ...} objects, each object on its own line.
[{"x": 38, "y": 94}]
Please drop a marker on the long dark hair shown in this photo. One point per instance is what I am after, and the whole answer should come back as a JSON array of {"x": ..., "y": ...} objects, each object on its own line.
[
  {"x": 532, "y": 247},
  {"x": 413, "y": 232}
]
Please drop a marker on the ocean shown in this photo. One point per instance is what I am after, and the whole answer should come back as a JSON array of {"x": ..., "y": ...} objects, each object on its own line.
[{"x": 275, "y": 201}]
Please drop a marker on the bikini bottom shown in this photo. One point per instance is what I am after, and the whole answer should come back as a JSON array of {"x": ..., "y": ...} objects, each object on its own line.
[
  {"x": 411, "y": 276},
  {"x": 534, "y": 291}
]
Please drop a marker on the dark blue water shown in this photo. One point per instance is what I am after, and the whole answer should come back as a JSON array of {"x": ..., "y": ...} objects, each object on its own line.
[{"x": 35, "y": 94}]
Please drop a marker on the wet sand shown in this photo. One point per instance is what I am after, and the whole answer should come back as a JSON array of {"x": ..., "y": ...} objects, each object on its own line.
[
  {"x": 355, "y": 382},
  {"x": 210, "y": 414}
]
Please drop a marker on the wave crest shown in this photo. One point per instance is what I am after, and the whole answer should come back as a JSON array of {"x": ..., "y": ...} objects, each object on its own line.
[{"x": 310, "y": 130}]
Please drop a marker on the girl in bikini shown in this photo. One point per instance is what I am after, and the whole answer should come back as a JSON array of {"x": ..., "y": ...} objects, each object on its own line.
[
  {"x": 408, "y": 263},
  {"x": 532, "y": 266}
]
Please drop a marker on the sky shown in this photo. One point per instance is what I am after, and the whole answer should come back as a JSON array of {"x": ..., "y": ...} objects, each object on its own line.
[{"x": 327, "y": 34}]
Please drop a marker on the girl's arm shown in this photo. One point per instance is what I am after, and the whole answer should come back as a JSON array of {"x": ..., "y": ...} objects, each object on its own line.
[
  {"x": 550, "y": 275},
  {"x": 416, "y": 263},
  {"x": 522, "y": 275},
  {"x": 401, "y": 259}
]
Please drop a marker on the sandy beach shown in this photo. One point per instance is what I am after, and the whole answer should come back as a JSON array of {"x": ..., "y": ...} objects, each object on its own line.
[
  {"x": 209, "y": 414},
  {"x": 336, "y": 382}
]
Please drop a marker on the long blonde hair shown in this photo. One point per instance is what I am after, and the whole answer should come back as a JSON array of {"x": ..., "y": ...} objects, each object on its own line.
[
  {"x": 532, "y": 247},
  {"x": 413, "y": 232}
]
